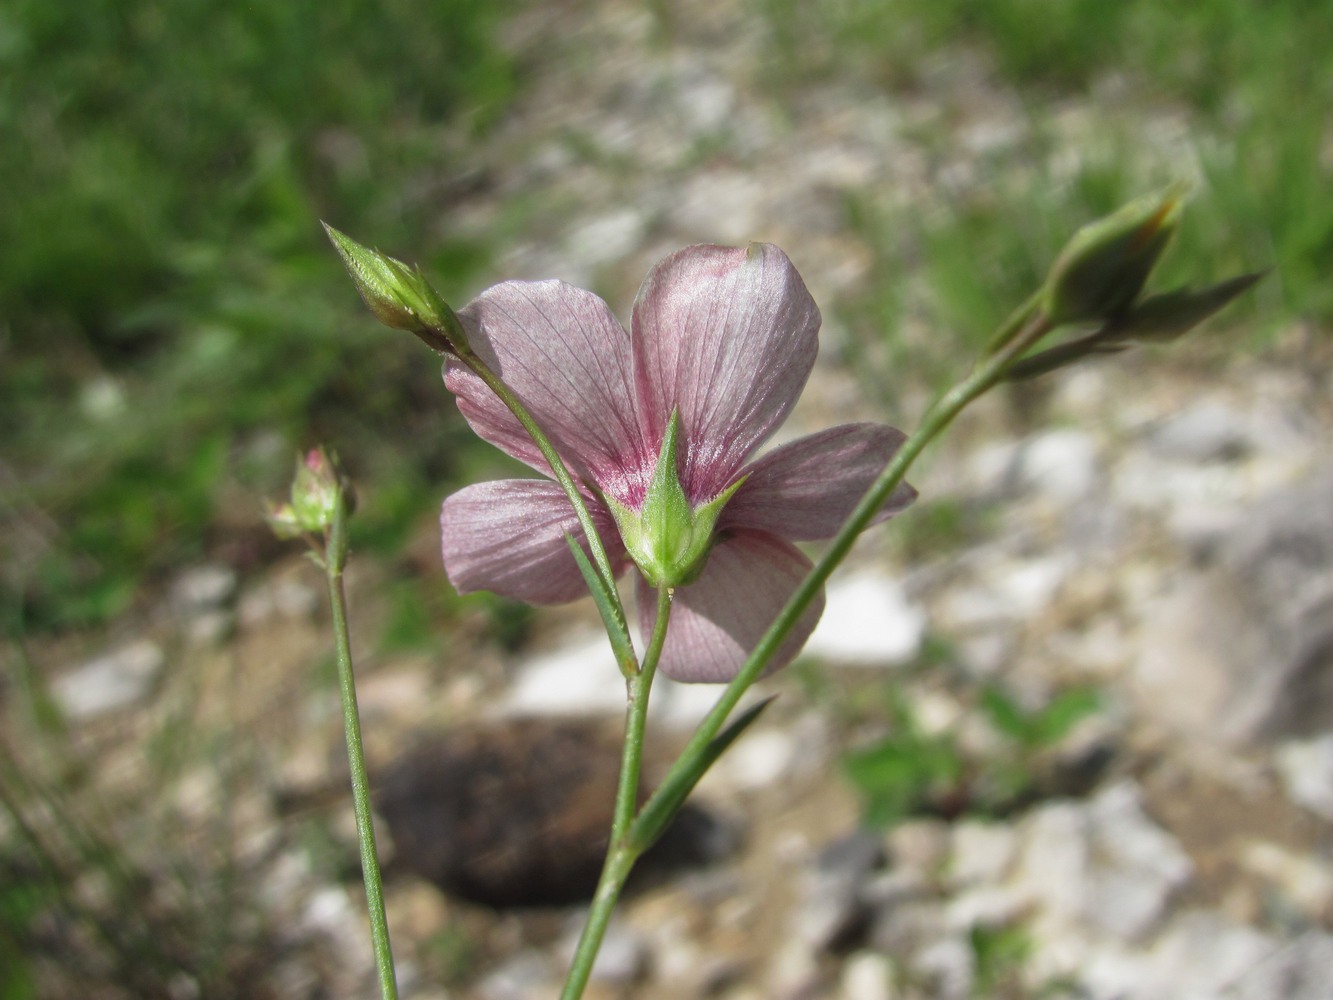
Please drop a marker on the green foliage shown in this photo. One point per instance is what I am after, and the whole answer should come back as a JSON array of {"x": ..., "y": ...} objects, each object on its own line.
[
  {"x": 1038, "y": 728},
  {"x": 175, "y": 326},
  {"x": 999, "y": 954},
  {"x": 910, "y": 771},
  {"x": 905, "y": 772},
  {"x": 1250, "y": 83}
]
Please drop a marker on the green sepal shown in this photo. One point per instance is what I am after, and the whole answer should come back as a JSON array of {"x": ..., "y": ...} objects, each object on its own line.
[
  {"x": 1103, "y": 268},
  {"x": 1156, "y": 319},
  {"x": 1169, "y": 315},
  {"x": 666, "y": 537},
  {"x": 665, "y": 802},
  {"x": 612, "y": 617}
]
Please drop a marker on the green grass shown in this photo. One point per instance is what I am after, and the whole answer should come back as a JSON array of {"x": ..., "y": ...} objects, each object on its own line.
[
  {"x": 174, "y": 326},
  {"x": 1250, "y": 80}
]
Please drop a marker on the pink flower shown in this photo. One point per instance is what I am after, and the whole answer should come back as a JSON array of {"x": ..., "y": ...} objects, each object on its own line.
[{"x": 723, "y": 337}]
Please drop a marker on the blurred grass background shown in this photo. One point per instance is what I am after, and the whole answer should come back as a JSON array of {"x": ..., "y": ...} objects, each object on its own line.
[
  {"x": 167, "y": 162},
  {"x": 173, "y": 326}
]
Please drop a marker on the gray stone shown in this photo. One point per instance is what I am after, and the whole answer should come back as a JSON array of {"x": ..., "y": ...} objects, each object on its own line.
[
  {"x": 867, "y": 976},
  {"x": 111, "y": 682},
  {"x": 946, "y": 968},
  {"x": 833, "y": 911},
  {"x": 1206, "y": 432},
  {"x": 204, "y": 588},
  {"x": 868, "y": 621},
  {"x": 1104, "y": 865},
  {"x": 1306, "y": 767},
  {"x": 1061, "y": 465},
  {"x": 1244, "y": 653},
  {"x": 622, "y": 958},
  {"x": 982, "y": 852},
  {"x": 529, "y": 975}
]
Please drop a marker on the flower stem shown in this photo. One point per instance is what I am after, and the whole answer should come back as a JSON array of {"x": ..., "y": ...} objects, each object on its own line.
[
  {"x": 1018, "y": 334},
  {"x": 621, "y": 854},
  {"x": 335, "y": 559},
  {"x": 562, "y": 476}
]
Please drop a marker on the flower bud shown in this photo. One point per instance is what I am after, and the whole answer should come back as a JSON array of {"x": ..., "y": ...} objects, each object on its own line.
[
  {"x": 1102, "y": 270},
  {"x": 398, "y": 295},
  {"x": 317, "y": 488}
]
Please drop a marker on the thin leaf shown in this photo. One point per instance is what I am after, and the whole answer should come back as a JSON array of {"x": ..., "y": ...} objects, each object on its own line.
[
  {"x": 1169, "y": 315},
  {"x": 608, "y": 606}
]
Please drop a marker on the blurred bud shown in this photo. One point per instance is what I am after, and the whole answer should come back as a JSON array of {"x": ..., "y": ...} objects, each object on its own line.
[
  {"x": 317, "y": 489},
  {"x": 282, "y": 519},
  {"x": 1103, "y": 268},
  {"x": 1171, "y": 314},
  {"x": 398, "y": 295}
]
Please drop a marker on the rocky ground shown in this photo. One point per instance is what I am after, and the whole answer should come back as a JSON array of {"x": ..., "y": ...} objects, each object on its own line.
[{"x": 1159, "y": 531}]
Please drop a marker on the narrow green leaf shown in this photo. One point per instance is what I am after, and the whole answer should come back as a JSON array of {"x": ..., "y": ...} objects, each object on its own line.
[
  {"x": 666, "y": 801},
  {"x": 616, "y": 629},
  {"x": 1169, "y": 315}
]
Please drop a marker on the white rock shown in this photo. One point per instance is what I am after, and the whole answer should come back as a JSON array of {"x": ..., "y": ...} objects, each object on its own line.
[
  {"x": 1306, "y": 767},
  {"x": 1104, "y": 866},
  {"x": 987, "y": 906},
  {"x": 758, "y": 760},
  {"x": 947, "y": 967},
  {"x": 1060, "y": 465},
  {"x": 527, "y": 976},
  {"x": 1303, "y": 879},
  {"x": 867, "y": 975},
  {"x": 203, "y": 588},
  {"x": 1206, "y": 432},
  {"x": 115, "y": 681},
  {"x": 1295, "y": 971},
  {"x": 578, "y": 678},
  {"x": 620, "y": 960},
  {"x": 983, "y": 853},
  {"x": 868, "y": 621}
]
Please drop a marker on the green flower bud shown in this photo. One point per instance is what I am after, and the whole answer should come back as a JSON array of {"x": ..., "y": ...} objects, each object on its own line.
[
  {"x": 666, "y": 537},
  {"x": 317, "y": 488},
  {"x": 1102, "y": 270},
  {"x": 399, "y": 295}
]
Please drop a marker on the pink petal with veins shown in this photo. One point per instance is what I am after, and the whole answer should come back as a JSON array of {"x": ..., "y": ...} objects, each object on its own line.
[
  {"x": 728, "y": 336},
  {"x": 804, "y": 490},
  {"x": 509, "y": 536},
  {"x": 566, "y": 357},
  {"x": 717, "y": 620}
]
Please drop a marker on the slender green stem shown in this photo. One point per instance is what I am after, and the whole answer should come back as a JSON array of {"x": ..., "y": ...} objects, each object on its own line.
[
  {"x": 1032, "y": 327},
  {"x": 335, "y": 559},
  {"x": 562, "y": 476},
  {"x": 621, "y": 854}
]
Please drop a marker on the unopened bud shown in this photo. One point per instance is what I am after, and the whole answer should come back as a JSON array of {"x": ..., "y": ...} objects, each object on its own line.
[
  {"x": 398, "y": 295},
  {"x": 317, "y": 489},
  {"x": 1103, "y": 268}
]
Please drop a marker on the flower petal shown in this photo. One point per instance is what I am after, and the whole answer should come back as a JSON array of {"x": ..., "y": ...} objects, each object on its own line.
[
  {"x": 566, "y": 357},
  {"x": 728, "y": 336},
  {"x": 509, "y": 536},
  {"x": 717, "y": 620},
  {"x": 804, "y": 490}
]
